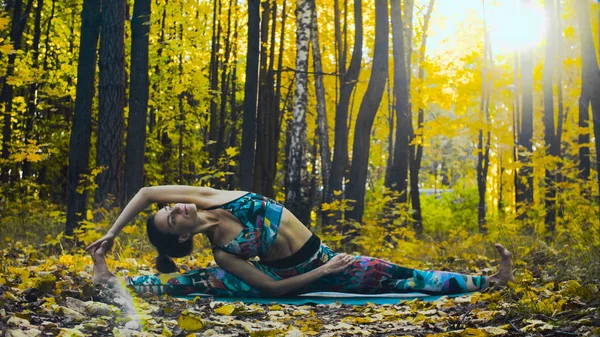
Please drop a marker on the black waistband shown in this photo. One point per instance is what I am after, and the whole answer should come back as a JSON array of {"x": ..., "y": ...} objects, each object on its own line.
[{"x": 310, "y": 247}]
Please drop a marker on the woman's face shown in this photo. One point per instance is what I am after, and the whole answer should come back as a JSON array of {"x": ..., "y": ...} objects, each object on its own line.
[{"x": 177, "y": 219}]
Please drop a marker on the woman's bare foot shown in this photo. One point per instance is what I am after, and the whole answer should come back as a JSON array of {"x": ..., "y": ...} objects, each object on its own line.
[
  {"x": 101, "y": 274},
  {"x": 504, "y": 273}
]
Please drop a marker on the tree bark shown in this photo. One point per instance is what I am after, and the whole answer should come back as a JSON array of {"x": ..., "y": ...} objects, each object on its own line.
[
  {"x": 138, "y": 99},
  {"x": 399, "y": 176},
  {"x": 111, "y": 93},
  {"x": 416, "y": 150},
  {"x": 214, "y": 81},
  {"x": 483, "y": 145},
  {"x": 348, "y": 82},
  {"x": 590, "y": 91},
  {"x": 262, "y": 114},
  {"x": 322, "y": 128},
  {"x": 81, "y": 130},
  {"x": 297, "y": 183},
  {"x": 550, "y": 135},
  {"x": 525, "y": 187},
  {"x": 367, "y": 111},
  {"x": 32, "y": 101},
  {"x": 250, "y": 97},
  {"x": 409, "y": 6},
  {"x": 18, "y": 23}
]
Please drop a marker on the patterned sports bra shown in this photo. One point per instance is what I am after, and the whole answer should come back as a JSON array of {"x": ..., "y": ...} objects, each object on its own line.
[{"x": 260, "y": 218}]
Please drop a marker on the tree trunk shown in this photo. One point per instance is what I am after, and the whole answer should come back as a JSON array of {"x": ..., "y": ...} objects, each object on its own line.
[
  {"x": 409, "y": 6},
  {"x": 367, "y": 111},
  {"x": 32, "y": 101},
  {"x": 483, "y": 145},
  {"x": 138, "y": 99},
  {"x": 525, "y": 187},
  {"x": 296, "y": 183},
  {"x": 348, "y": 82},
  {"x": 590, "y": 91},
  {"x": 416, "y": 150},
  {"x": 225, "y": 74},
  {"x": 272, "y": 122},
  {"x": 550, "y": 135},
  {"x": 250, "y": 97},
  {"x": 19, "y": 21},
  {"x": 322, "y": 128},
  {"x": 262, "y": 114},
  {"x": 81, "y": 130},
  {"x": 214, "y": 80},
  {"x": 111, "y": 93},
  {"x": 399, "y": 175}
]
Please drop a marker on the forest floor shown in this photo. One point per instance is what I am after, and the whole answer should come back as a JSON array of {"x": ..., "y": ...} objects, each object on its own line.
[{"x": 51, "y": 295}]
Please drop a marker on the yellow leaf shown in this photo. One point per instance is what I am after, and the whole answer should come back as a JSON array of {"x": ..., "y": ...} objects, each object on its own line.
[
  {"x": 189, "y": 323},
  {"x": 231, "y": 151},
  {"x": 227, "y": 309},
  {"x": 7, "y": 49},
  {"x": 472, "y": 332}
]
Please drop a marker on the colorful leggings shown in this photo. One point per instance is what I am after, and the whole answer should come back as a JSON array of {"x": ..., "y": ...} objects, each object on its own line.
[{"x": 367, "y": 275}]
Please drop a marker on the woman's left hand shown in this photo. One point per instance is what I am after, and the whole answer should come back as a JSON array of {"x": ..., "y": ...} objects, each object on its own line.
[{"x": 338, "y": 263}]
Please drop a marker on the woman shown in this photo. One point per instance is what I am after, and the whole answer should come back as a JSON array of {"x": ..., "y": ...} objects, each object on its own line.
[{"x": 241, "y": 225}]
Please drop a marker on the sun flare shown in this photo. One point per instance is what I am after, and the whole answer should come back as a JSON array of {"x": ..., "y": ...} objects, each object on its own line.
[{"x": 514, "y": 27}]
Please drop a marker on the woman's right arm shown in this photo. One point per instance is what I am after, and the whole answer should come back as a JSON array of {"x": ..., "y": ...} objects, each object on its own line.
[{"x": 248, "y": 273}]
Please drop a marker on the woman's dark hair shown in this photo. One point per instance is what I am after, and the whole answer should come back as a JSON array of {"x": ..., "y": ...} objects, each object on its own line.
[{"x": 168, "y": 246}]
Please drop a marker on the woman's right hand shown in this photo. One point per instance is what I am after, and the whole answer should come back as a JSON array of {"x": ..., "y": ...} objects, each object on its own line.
[
  {"x": 338, "y": 263},
  {"x": 109, "y": 238}
]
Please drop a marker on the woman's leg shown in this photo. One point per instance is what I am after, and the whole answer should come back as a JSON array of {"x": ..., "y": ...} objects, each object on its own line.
[
  {"x": 373, "y": 275},
  {"x": 214, "y": 281}
]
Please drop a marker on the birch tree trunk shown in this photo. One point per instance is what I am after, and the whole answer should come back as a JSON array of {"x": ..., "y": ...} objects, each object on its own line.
[{"x": 297, "y": 185}]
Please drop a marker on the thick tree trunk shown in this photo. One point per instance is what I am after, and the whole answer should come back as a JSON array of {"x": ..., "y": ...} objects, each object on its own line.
[
  {"x": 367, "y": 111},
  {"x": 33, "y": 88},
  {"x": 250, "y": 97},
  {"x": 262, "y": 114},
  {"x": 590, "y": 91},
  {"x": 19, "y": 21},
  {"x": 296, "y": 183},
  {"x": 81, "y": 130},
  {"x": 111, "y": 93},
  {"x": 550, "y": 135},
  {"x": 399, "y": 174},
  {"x": 138, "y": 99},
  {"x": 322, "y": 128},
  {"x": 348, "y": 82}
]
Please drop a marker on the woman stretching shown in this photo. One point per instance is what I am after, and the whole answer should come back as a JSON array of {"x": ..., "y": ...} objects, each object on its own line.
[{"x": 242, "y": 225}]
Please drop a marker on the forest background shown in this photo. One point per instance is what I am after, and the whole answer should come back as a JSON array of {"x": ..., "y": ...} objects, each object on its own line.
[{"x": 417, "y": 131}]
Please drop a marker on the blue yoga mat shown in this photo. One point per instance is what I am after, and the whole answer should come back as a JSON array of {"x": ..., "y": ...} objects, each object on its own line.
[{"x": 330, "y": 297}]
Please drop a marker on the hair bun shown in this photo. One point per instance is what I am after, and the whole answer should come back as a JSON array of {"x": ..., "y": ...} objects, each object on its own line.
[{"x": 165, "y": 264}]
